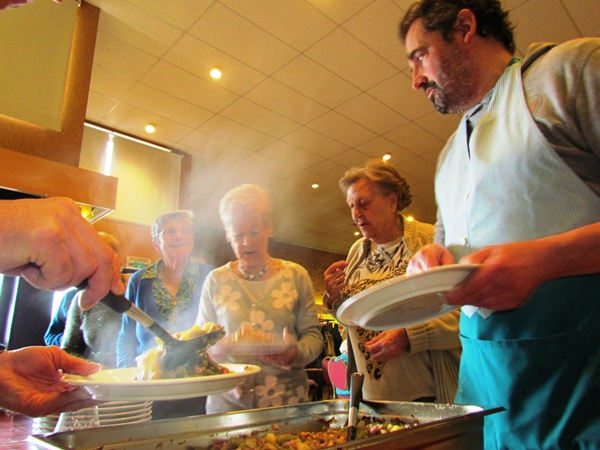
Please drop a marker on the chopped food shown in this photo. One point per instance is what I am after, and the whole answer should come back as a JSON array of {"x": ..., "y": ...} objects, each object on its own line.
[
  {"x": 203, "y": 365},
  {"x": 309, "y": 440}
]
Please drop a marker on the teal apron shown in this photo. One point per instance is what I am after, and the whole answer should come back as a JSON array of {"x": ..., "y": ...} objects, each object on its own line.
[{"x": 542, "y": 361}]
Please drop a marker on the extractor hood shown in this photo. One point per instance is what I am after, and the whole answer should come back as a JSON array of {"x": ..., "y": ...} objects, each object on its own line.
[{"x": 26, "y": 176}]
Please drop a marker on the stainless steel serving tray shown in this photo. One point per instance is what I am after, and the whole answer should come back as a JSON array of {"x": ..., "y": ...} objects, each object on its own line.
[{"x": 440, "y": 427}]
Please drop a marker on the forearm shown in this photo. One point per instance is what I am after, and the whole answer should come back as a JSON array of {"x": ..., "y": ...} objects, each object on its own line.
[
  {"x": 436, "y": 334},
  {"x": 310, "y": 346},
  {"x": 576, "y": 252}
]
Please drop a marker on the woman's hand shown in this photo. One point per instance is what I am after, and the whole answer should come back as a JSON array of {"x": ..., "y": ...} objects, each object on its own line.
[
  {"x": 387, "y": 345},
  {"x": 286, "y": 358},
  {"x": 30, "y": 381},
  {"x": 335, "y": 281},
  {"x": 431, "y": 255}
]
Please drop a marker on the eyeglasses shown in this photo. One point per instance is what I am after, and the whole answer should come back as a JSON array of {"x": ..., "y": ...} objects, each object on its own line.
[{"x": 172, "y": 232}]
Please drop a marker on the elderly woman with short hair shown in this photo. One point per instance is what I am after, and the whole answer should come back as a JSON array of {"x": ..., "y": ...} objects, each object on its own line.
[
  {"x": 168, "y": 291},
  {"x": 416, "y": 363},
  {"x": 264, "y": 294}
]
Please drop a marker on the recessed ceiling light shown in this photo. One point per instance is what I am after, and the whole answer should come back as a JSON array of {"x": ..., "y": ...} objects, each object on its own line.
[
  {"x": 356, "y": 233},
  {"x": 150, "y": 128},
  {"x": 215, "y": 72},
  {"x": 386, "y": 156},
  {"x": 410, "y": 218},
  {"x": 315, "y": 185}
]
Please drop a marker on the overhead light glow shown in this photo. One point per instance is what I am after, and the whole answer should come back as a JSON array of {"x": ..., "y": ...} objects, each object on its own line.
[
  {"x": 150, "y": 128},
  {"x": 356, "y": 233},
  {"x": 410, "y": 218},
  {"x": 108, "y": 154},
  {"x": 215, "y": 72},
  {"x": 386, "y": 156},
  {"x": 315, "y": 185}
]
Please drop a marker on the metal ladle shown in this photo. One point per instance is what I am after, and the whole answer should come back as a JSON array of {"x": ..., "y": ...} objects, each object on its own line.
[
  {"x": 356, "y": 384},
  {"x": 176, "y": 352}
]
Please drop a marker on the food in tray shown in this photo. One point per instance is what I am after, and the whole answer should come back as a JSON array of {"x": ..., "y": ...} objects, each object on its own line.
[
  {"x": 149, "y": 361},
  {"x": 308, "y": 440}
]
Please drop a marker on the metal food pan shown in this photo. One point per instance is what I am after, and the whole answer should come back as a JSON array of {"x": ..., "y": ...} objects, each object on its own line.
[{"x": 440, "y": 427}]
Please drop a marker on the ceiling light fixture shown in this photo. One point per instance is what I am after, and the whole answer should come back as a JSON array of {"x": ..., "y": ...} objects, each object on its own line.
[
  {"x": 315, "y": 185},
  {"x": 386, "y": 156},
  {"x": 150, "y": 128},
  {"x": 356, "y": 233},
  {"x": 215, "y": 73}
]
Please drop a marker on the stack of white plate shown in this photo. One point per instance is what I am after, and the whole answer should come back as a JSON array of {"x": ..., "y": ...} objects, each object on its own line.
[
  {"x": 110, "y": 413},
  {"x": 121, "y": 413}
]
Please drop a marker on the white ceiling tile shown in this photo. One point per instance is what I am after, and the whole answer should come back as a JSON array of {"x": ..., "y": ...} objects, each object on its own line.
[
  {"x": 541, "y": 27},
  {"x": 259, "y": 118},
  {"x": 419, "y": 168},
  {"x": 161, "y": 103},
  {"x": 198, "y": 58},
  {"x": 329, "y": 169},
  {"x": 121, "y": 57},
  {"x": 306, "y": 178},
  {"x": 214, "y": 146},
  {"x": 379, "y": 146},
  {"x": 240, "y": 38},
  {"x": 415, "y": 139},
  {"x": 292, "y": 155},
  {"x": 397, "y": 93},
  {"x": 585, "y": 13},
  {"x": 351, "y": 158},
  {"x": 105, "y": 81},
  {"x": 313, "y": 80},
  {"x": 184, "y": 85},
  {"x": 294, "y": 22},
  {"x": 262, "y": 163},
  {"x": 237, "y": 133},
  {"x": 314, "y": 142},
  {"x": 132, "y": 120},
  {"x": 296, "y": 106},
  {"x": 181, "y": 13},
  {"x": 377, "y": 27},
  {"x": 349, "y": 58},
  {"x": 372, "y": 114},
  {"x": 339, "y": 10},
  {"x": 139, "y": 28},
  {"x": 341, "y": 129}
]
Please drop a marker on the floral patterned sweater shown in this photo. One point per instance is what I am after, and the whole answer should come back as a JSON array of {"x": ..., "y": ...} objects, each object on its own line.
[{"x": 283, "y": 300}]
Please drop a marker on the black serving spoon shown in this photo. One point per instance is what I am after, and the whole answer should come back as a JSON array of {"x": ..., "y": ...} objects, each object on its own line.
[
  {"x": 356, "y": 383},
  {"x": 176, "y": 352}
]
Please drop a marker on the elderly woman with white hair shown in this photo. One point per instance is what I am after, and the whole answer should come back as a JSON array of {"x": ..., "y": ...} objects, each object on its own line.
[
  {"x": 261, "y": 296},
  {"x": 168, "y": 291}
]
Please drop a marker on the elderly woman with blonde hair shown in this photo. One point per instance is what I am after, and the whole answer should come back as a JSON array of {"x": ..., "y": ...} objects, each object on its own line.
[
  {"x": 258, "y": 296},
  {"x": 416, "y": 363}
]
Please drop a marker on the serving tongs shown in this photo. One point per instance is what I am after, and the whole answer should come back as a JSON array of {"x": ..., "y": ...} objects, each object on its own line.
[
  {"x": 356, "y": 384},
  {"x": 177, "y": 352}
]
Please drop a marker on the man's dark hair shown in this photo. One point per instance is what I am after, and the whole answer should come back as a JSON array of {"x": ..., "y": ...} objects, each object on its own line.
[{"x": 440, "y": 15}]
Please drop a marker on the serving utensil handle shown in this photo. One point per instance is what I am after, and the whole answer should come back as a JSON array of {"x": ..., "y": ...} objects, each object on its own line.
[{"x": 356, "y": 383}]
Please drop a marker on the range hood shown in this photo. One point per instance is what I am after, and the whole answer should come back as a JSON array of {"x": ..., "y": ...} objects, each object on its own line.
[{"x": 26, "y": 176}]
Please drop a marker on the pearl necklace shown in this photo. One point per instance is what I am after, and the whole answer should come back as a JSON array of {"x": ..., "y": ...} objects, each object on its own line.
[{"x": 253, "y": 276}]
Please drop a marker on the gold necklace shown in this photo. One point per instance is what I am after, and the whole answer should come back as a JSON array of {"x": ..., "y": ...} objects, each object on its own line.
[{"x": 253, "y": 276}]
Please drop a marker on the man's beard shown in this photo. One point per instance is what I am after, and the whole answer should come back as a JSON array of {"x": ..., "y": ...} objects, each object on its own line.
[{"x": 455, "y": 86}]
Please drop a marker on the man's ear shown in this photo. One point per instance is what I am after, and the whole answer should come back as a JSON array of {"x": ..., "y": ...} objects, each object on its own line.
[{"x": 466, "y": 24}]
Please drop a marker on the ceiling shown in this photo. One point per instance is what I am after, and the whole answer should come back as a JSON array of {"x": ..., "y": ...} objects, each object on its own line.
[{"x": 309, "y": 89}]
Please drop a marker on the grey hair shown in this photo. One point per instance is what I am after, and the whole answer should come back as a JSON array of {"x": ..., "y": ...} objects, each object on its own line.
[
  {"x": 246, "y": 196},
  {"x": 384, "y": 176},
  {"x": 159, "y": 223}
]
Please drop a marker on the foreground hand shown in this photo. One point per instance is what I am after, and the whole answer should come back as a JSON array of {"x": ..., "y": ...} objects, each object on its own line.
[
  {"x": 49, "y": 243},
  {"x": 508, "y": 275},
  {"x": 14, "y": 3},
  {"x": 388, "y": 345},
  {"x": 30, "y": 381},
  {"x": 335, "y": 279}
]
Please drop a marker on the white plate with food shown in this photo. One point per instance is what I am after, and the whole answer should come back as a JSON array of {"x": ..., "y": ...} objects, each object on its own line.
[
  {"x": 404, "y": 301},
  {"x": 250, "y": 348},
  {"x": 123, "y": 384}
]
